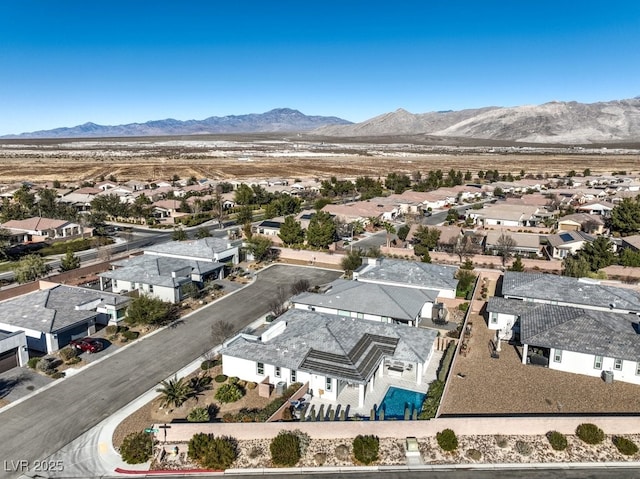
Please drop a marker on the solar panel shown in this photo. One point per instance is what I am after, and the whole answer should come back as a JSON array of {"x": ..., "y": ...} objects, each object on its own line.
[{"x": 566, "y": 237}]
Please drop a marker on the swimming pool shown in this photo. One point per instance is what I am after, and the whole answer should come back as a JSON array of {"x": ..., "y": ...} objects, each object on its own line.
[{"x": 396, "y": 399}]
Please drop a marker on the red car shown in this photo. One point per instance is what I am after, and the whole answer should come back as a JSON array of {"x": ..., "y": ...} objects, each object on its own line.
[{"x": 89, "y": 345}]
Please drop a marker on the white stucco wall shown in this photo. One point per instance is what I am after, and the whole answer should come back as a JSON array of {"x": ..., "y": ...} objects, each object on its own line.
[
  {"x": 581, "y": 363},
  {"x": 36, "y": 340},
  {"x": 502, "y": 320}
]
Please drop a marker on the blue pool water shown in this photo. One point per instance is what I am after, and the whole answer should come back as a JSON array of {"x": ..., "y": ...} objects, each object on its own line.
[{"x": 396, "y": 399}]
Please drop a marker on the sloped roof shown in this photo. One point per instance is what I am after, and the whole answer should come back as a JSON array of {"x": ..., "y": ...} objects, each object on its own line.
[
  {"x": 202, "y": 248},
  {"x": 335, "y": 346},
  {"x": 37, "y": 223},
  {"x": 371, "y": 298},
  {"x": 410, "y": 273},
  {"x": 568, "y": 237}
]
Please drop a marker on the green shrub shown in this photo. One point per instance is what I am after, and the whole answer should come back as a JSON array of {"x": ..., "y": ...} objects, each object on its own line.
[
  {"x": 447, "y": 440},
  {"x": 366, "y": 448},
  {"x": 234, "y": 380},
  {"x": 220, "y": 378},
  {"x": 432, "y": 401},
  {"x": 136, "y": 448},
  {"x": 33, "y": 362},
  {"x": 199, "y": 414},
  {"x": 590, "y": 433},
  {"x": 212, "y": 452},
  {"x": 46, "y": 365},
  {"x": 130, "y": 335},
  {"x": 228, "y": 393},
  {"x": 285, "y": 449},
  {"x": 111, "y": 330},
  {"x": 68, "y": 353},
  {"x": 252, "y": 385},
  {"x": 463, "y": 307},
  {"x": 625, "y": 446},
  {"x": 501, "y": 441},
  {"x": 557, "y": 440},
  {"x": 208, "y": 364},
  {"x": 74, "y": 360}
]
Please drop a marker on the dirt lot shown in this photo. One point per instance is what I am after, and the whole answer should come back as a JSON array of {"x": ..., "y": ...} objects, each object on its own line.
[{"x": 263, "y": 157}]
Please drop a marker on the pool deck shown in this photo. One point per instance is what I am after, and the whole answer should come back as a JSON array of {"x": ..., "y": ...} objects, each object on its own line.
[{"x": 348, "y": 397}]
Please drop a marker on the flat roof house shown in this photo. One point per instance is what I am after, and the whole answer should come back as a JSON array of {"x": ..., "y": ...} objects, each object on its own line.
[
  {"x": 409, "y": 274},
  {"x": 331, "y": 353},
  {"x": 210, "y": 249},
  {"x": 51, "y": 318}
]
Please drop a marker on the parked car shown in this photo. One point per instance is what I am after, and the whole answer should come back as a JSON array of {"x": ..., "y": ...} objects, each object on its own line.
[{"x": 88, "y": 345}]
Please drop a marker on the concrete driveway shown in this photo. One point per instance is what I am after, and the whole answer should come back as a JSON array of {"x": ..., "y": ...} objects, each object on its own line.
[
  {"x": 41, "y": 425},
  {"x": 20, "y": 382}
]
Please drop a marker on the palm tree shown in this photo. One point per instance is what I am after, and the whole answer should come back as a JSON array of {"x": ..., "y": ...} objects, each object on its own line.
[
  {"x": 175, "y": 392},
  {"x": 390, "y": 231}
]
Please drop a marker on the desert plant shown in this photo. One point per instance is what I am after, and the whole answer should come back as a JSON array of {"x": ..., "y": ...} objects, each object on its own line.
[
  {"x": 366, "y": 448},
  {"x": 220, "y": 378},
  {"x": 523, "y": 448},
  {"x": 200, "y": 383},
  {"x": 207, "y": 364},
  {"x": 45, "y": 365},
  {"x": 342, "y": 452},
  {"x": 130, "y": 335},
  {"x": 57, "y": 374},
  {"x": 251, "y": 385},
  {"x": 111, "y": 330},
  {"x": 33, "y": 362},
  {"x": 174, "y": 392},
  {"x": 199, "y": 414},
  {"x": 474, "y": 454},
  {"x": 447, "y": 440},
  {"x": 234, "y": 380},
  {"x": 74, "y": 360},
  {"x": 557, "y": 440},
  {"x": 213, "y": 452},
  {"x": 590, "y": 433},
  {"x": 625, "y": 446},
  {"x": 136, "y": 448},
  {"x": 501, "y": 441},
  {"x": 228, "y": 393},
  {"x": 68, "y": 353},
  {"x": 285, "y": 449}
]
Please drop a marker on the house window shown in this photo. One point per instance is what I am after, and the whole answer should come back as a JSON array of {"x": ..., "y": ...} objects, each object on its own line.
[
  {"x": 151, "y": 288},
  {"x": 260, "y": 369},
  {"x": 277, "y": 372},
  {"x": 597, "y": 362},
  {"x": 494, "y": 318},
  {"x": 294, "y": 376},
  {"x": 328, "y": 384},
  {"x": 617, "y": 364},
  {"x": 557, "y": 356}
]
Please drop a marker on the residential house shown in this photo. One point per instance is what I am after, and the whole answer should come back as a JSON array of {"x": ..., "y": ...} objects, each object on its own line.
[
  {"x": 51, "y": 318},
  {"x": 525, "y": 244},
  {"x": 331, "y": 353},
  {"x": 561, "y": 245},
  {"x": 632, "y": 242},
  {"x": 209, "y": 249},
  {"x": 601, "y": 208},
  {"x": 362, "y": 211},
  {"x": 375, "y": 302},
  {"x": 507, "y": 215},
  {"x": 38, "y": 229},
  {"x": 409, "y": 274},
  {"x": 13, "y": 350},
  {"x": 165, "y": 278},
  {"x": 590, "y": 224},
  {"x": 268, "y": 228}
]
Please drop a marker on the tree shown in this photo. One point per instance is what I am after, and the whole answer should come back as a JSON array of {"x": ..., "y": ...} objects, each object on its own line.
[
  {"x": 5, "y": 243},
  {"x": 629, "y": 257},
  {"x": 174, "y": 392},
  {"x": 351, "y": 261},
  {"x": 179, "y": 234},
  {"x": 291, "y": 232},
  {"x": 278, "y": 303},
  {"x": 586, "y": 172},
  {"x": 221, "y": 330},
  {"x": 243, "y": 195},
  {"x": 625, "y": 217},
  {"x": 504, "y": 247},
  {"x": 30, "y": 268},
  {"x": 136, "y": 448},
  {"x": 69, "y": 261},
  {"x": 260, "y": 247},
  {"x": 244, "y": 215},
  {"x": 203, "y": 233},
  {"x": 576, "y": 267},
  {"x": 403, "y": 232},
  {"x": 390, "y": 229},
  {"x": 452, "y": 216},
  {"x": 300, "y": 286},
  {"x": 425, "y": 239},
  {"x": 322, "y": 230},
  {"x": 213, "y": 452},
  {"x": 517, "y": 265},
  {"x": 149, "y": 310},
  {"x": 463, "y": 246},
  {"x": 599, "y": 253}
]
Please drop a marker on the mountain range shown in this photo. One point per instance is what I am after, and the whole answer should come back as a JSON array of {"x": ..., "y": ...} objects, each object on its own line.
[
  {"x": 277, "y": 120},
  {"x": 550, "y": 123},
  {"x": 554, "y": 122}
]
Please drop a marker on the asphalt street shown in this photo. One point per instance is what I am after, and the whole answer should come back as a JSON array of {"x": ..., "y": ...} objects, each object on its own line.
[{"x": 41, "y": 425}]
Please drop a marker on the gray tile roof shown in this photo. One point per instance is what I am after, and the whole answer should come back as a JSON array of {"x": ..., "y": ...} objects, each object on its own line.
[
  {"x": 567, "y": 237},
  {"x": 54, "y": 309},
  {"x": 204, "y": 248},
  {"x": 344, "y": 348},
  {"x": 549, "y": 287},
  {"x": 516, "y": 307},
  {"x": 158, "y": 270},
  {"x": 600, "y": 333},
  {"x": 371, "y": 298},
  {"x": 410, "y": 273}
]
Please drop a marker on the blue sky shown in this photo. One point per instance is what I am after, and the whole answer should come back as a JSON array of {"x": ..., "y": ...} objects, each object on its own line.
[{"x": 64, "y": 63}]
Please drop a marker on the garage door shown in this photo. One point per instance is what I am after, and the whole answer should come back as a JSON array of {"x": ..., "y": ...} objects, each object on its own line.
[
  {"x": 8, "y": 360},
  {"x": 79, "y": 331}
]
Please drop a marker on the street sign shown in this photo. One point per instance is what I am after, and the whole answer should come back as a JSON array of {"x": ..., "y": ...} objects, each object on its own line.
[{"x": 149, "y": 430}]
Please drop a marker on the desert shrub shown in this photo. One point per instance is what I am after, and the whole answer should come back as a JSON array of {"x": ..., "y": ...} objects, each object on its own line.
[
  {"x": 74, "y": 360},
  {"x": 625, "y": 446},
  {"x": 130, "y": 335},
  {"x": 57, "y": 375},
  {"x": 463, "y": 307},
  {"x": 590, "y": 433},
  {"x": 213, "y": 452},
  {"x": 33, "y": 362},
  {"x": 208, "y": 364},
  {"x": 366, "y": 448},
  {"x": 228, "y": 393},
  {"x": 557, "y": 440},
  {"x": 220, "y": 378},
  {"x": 523, "y": 448},
  {"x": 45, "y": 365},
  {"x": 68, "y": 353},
  {"x": 136, "y": 448},
  {"x": 342, "y": 452},
  {"x": 111, "y": 330},
  {"x": 320, "y": 458},
  {"x": 303, "y": 440},
  {"x": 234, "y": 380},
  {"x": 252, "y": 385},
  {"x": 501, "y": 441},
  {"x": 285, "y": 449},
  {"x": 199, "y": 414},
  {"x": 255, "y": 452},
  {"x": 242, "y": 383},
  {"x": 447, "y": 440},
  {"x": 474, "y": 454}
]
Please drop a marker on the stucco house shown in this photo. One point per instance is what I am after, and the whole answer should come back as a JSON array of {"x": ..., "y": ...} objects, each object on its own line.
[
  {"x": 561, "y": 245},
  {"x": 526, "y": 244},
  {"x": 52, "y": 317},
  {"x": 218, "y": 250},
  {"x": 375, "y": 302},
  {"x": 590, "y": 224},
  {"x": 38, "y": 229},
  {"x": 13, "y": 350},
  {"x": 331, "y": 353},
  {"x": 409, "y": 274},
  {"x": 162, "y": 277},
  {"x": 503, "y": 214}
]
